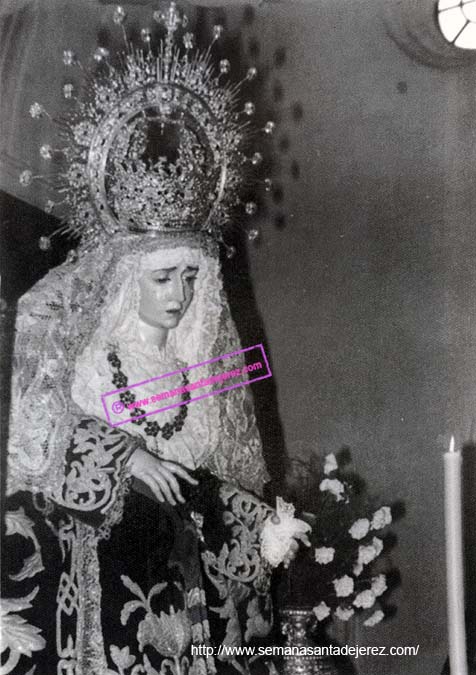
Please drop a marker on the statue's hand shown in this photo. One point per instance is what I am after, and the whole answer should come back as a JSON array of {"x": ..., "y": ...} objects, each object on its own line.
[{"x": 159, "y": 475}]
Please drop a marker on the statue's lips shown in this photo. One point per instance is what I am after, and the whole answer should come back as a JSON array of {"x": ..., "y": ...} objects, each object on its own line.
[{"x": 174, "y": 314}]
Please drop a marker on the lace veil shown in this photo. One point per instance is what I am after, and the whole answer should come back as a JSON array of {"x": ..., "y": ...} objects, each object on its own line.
[{"x": 63, "y": 326}]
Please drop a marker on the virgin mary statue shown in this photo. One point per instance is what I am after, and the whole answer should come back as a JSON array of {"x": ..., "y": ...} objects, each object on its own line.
[{"x": 137, "y": 548}]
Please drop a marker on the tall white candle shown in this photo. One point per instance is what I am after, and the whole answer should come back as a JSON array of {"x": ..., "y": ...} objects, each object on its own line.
[{"x": 454, "y": 562}]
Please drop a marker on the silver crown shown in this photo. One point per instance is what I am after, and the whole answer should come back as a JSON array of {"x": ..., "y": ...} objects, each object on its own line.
[{"x": 157, "y": 143}]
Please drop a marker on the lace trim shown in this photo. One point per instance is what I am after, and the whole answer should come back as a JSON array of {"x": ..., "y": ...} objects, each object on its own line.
[
  {"x": 90, "y": 641},
  {"x": 94, "y": 461},
  {"x": 116, "y": 511},
  {"x": 239, "y": 458}
]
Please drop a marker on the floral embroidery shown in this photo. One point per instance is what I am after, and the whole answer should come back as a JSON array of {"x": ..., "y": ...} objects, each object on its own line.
[
  {"x": 17, "y": 522},
  {"x": 169, "y": 634},
  {"x": 241, "y": 561},
  {"x": 122, "y": 658},
  {"x": 95, "y": 462},
  {"x": 256, "y": 624},
  {"x": 18, "y": 636}
]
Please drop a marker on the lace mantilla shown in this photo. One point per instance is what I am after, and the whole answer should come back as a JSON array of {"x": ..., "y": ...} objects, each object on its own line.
[{"x": 60, "y": 370}]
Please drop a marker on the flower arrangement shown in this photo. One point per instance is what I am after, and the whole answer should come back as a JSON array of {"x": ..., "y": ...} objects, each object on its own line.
[{"x": 337, "y": 575}]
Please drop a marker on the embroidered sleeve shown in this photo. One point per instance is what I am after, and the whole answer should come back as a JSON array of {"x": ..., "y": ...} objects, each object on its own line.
[
  {"x": 74, "y": 460},
  {"x": 95, "y": 473},
  {"x": 239, "y": 558},
  {"x": 233, "y": 561}
]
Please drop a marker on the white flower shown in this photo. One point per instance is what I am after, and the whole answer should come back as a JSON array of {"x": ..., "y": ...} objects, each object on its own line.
[
  {"x": 344, "y": 586},
  {"x": 379, "y": 584},
  {"x": 324, "y": 555},
  {"x": 68, "y": 57},
  {"x": 370, "y": 552},
  {"x": 357, "y": 569},
  {"x": 364, "y": 599},
  {"x": 376, "y": 617},
  {"x": 381, "y": 518},
  {"x": 332, "y": 485},
  {"x": 68, "y": 89},
  {"x": 25, "y": 177},
  {"x": 217, "y": 31},
  {"x": 330, "y": 463},
  {"x": 360, "y": 528},
  {"x": 378, "y": 546},
  {"x": 119, "y": 15},
  {"x": 36, "y": 110},
  {"x": 366, "y": 555},
  {"x": 322, "y": 611},
  {"x": 344, "y": 613},
  {"x": 45, "y": 151}
]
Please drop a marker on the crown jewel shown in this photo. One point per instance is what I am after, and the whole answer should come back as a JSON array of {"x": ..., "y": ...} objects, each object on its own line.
[{"x": 156, "y": 143}]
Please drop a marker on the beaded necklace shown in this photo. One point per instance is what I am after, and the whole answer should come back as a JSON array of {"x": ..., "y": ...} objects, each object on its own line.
[{"x": 127, "y": 397}]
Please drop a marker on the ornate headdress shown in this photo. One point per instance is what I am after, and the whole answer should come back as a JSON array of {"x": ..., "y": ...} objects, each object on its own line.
[{"x": 156, "y": 144}]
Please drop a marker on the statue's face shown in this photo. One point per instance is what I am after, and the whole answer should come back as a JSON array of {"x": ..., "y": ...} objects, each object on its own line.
[{"x": 166, "y": 294}]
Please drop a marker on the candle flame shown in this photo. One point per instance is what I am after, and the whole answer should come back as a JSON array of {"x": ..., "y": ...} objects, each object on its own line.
[{"x": 452, "y": 444}]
